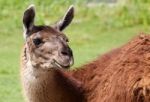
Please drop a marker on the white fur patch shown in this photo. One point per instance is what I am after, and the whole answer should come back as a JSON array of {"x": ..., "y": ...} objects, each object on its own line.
[
  {"x": 31, "y": 6},
  {"x": 29, "y": 72}
]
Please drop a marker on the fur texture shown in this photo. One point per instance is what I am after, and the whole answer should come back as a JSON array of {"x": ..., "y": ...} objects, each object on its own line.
[{"x": 122, "y": 75}]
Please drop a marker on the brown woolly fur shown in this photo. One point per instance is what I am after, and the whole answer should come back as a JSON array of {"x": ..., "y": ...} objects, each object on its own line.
[{"x": 122, "y": 75}]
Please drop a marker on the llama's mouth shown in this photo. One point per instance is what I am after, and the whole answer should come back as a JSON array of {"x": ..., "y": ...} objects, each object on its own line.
[{"x": 58, "y": 65}]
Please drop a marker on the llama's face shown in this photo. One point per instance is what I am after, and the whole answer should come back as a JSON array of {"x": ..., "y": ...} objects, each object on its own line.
[
  {"x": 49, "y": 49},
  {"x": 47, "y": 46}
]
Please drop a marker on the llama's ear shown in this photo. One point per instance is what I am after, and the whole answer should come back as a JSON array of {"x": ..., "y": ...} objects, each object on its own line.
[
  {"x": 28, "y": 19},
  {"x": 66, "y": 20}
]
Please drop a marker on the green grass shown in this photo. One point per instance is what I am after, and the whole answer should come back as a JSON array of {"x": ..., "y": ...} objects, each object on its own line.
[{"x": 87, "y": 39}]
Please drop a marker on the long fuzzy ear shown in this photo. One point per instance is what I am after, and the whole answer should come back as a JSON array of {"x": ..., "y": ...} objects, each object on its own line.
[
  {"x": 66, "y": 20},
  {"x": 28, "y": 19}
]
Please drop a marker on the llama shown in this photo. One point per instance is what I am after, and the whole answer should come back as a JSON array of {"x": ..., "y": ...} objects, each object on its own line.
[
  {"x": 45, "y": 52},
  {"x": 121, "y": 75}
]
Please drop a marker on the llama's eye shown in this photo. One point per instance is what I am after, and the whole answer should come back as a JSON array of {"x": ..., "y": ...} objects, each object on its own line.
[{"x": 37, "y": 41}]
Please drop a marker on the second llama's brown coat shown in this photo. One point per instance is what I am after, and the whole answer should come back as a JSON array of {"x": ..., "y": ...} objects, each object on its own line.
[{"x": 122, "y": 75}]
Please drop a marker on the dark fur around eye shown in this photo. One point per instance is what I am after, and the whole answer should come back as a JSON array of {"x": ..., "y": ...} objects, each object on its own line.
[{"x": 37, "y": 41}]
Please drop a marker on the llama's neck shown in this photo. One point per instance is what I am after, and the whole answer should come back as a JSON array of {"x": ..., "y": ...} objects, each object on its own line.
[{"x": 46, "y": 86}]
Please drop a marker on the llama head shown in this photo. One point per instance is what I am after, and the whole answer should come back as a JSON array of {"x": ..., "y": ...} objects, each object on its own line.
[{"x": 47, "y": 46}]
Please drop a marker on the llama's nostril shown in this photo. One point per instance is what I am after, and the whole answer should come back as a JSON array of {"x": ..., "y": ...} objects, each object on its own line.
[
  {"x": 64, "y": 53},
  {"x": 67, "y": 52}
]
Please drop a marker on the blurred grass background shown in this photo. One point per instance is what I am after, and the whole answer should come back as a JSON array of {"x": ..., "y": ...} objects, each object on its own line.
[{"x": 98, "y": 26}]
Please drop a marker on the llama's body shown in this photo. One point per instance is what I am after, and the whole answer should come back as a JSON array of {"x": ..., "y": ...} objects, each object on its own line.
[
  {"x": 92, "y": 81},
  {"x": 122, "y": 75}
]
